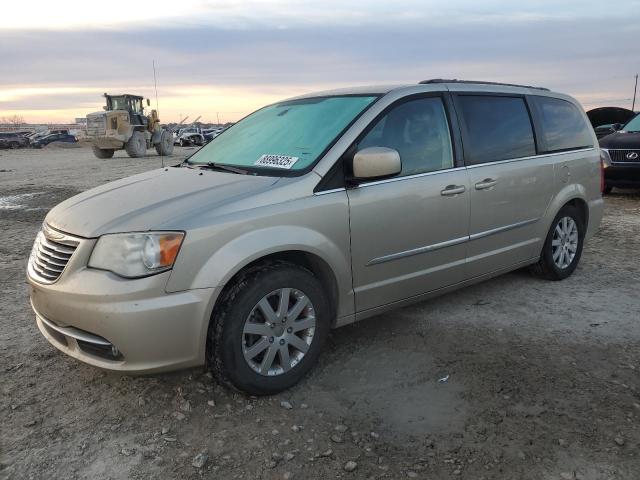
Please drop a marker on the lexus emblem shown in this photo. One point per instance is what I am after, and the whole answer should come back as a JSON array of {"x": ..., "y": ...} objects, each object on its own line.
[{"x": 632, "y": 155}]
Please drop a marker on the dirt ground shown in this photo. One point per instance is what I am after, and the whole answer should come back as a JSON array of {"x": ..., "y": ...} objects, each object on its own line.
[{"x": 543, "y": 377}]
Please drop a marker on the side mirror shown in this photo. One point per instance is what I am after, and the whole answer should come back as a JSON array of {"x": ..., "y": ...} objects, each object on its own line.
[
  {"x": 617, "y": 126},
  {"x": 376, "y": 162}
]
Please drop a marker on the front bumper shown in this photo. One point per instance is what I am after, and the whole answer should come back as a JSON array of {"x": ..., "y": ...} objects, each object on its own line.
[
  {"x": 122, "y": 324},
  {"x": 623, "y": 176}
]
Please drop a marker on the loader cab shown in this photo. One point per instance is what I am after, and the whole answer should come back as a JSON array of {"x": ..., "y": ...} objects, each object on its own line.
[{"x": 130, "y": 103}]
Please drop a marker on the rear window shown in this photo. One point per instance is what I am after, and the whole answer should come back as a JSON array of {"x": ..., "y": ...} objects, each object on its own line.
[
  {"x": 562, "y": 126},
  {"x": 495, "y": 128}
]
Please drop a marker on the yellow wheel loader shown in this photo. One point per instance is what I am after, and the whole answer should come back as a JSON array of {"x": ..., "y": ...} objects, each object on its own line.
[{"x": 123, "y": 125}]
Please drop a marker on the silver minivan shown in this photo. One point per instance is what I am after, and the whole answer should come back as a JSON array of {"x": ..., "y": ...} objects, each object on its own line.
[{"x": 313, "y": 213}]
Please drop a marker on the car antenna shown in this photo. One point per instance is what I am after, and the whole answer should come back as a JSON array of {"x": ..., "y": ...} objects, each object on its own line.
[
  {"x": 155, "y": 84},
  {"x": 635, "y": 90}
]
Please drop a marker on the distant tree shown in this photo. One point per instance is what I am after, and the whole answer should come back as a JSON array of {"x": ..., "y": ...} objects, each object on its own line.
[{"x": 15, "y": 120}]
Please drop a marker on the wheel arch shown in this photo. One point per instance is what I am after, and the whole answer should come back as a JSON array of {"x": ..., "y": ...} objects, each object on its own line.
[
  {"x": 319, "y": 267},
  {"x": 575, "y": 195},
  {"x": 581, "y": 205}
]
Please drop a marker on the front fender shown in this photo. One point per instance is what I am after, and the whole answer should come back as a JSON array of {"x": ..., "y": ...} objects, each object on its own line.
[{"x": 232, "y": 257}]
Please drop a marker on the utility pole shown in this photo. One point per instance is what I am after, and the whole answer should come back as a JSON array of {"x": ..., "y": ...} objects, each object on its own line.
[
  {"x": 218, "y": 113},
  {"x": 635, "y": 89}
]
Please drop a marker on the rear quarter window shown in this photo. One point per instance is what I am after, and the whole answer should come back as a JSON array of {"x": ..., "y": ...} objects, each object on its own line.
[
  {"x": 495, "y": 128},
  {"x": 562, "y": 126}
]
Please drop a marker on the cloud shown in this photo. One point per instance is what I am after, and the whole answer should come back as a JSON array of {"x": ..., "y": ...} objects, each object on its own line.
[
  {"x": 207, "y": 66},
  {"x": 249, "y": 14}
]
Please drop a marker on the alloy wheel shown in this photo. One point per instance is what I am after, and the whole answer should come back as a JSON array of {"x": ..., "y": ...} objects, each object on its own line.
[
  {"x": 564, "y": 243},
  {"x": 278, "y": 332}
]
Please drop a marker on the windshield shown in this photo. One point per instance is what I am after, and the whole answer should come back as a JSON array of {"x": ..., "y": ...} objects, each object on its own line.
[
  {"x": 286, "y": 136},
  {"x": 633, "y": 125},
  {"x": 118, "y": 103}
]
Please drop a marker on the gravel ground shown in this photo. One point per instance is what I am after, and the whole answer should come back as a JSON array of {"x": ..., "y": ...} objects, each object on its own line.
[{"x": 543, "y": 377}]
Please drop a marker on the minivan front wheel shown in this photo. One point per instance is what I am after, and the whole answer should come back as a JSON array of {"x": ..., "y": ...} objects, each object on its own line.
[
  {"x": 563, "y": 246},
  {"x": 269, "y": 329}
]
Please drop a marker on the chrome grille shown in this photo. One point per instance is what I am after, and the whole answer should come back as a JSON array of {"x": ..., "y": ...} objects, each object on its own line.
[
  {"x": 622, "y": 156},
  {"x": 49, "y": 256}
]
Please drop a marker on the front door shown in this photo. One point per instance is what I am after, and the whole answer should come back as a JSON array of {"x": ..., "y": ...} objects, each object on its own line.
[{"x": 409, "y": 233}]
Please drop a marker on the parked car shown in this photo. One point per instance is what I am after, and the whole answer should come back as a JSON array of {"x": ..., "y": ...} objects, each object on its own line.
[
  {"x": 606, "y": 120},
  {"x": 38, "y": 135},
  {"x": 607, "y": 129},
  {"x": 24, "y": 133},
  {"x": 54, "y": 137},
  {"x": 189, "y": 136},
  {"x": 313, "y": 213},
  {"x": 622, "y": 150},
  {"x": 211, "y": 133},
  {"x": 13, "y": 140}
]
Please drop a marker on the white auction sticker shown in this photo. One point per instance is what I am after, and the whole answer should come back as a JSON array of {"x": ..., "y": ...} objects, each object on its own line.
[{"x": 276, "y": 161}]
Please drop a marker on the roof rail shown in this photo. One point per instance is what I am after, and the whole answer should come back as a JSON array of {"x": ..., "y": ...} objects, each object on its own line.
[{"x": 454, "y": 80}]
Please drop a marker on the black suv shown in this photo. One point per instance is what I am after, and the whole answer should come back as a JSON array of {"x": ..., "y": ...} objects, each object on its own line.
[{"x": 623, "y": 150}]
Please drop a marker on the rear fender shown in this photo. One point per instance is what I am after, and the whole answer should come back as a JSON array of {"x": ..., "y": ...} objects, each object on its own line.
[{"x": 568, "y": 193}]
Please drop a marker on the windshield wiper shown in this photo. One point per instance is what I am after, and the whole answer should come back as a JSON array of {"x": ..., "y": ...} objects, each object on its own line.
[{"x": 224, "y": 168}]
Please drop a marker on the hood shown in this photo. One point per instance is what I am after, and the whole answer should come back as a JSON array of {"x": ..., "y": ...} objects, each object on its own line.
[
  {"x": 622, "y": 140},
  {"x": 609, "y": 115},
  {"x": 162, "y": 199}
]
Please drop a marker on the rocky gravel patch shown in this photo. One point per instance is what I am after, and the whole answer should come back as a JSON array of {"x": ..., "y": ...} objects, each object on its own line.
[{"x": 542, "y": 377}]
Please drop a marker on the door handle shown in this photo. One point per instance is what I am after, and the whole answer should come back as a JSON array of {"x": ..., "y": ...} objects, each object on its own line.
[
  {"x": 451, "y": 190},
  {"x": 486, "y": 183}
]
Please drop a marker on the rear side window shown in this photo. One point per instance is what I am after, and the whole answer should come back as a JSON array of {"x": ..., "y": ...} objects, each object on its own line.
[
  {"x": 562, "y": 127},
  {"x": 496, "y": 128}
]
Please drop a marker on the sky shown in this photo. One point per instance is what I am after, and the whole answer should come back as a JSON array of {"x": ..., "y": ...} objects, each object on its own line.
[{"x": 223, "y": 59}]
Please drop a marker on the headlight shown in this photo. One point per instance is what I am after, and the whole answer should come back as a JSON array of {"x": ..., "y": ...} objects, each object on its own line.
[
  {"x": 605, "y": 158},
  {"x": 134, "y": 255}
]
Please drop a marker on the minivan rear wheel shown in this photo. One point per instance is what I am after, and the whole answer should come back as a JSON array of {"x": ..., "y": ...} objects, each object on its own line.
[
  {"x": 563, "y": 246},
  {"x": 269, "y": 329}
]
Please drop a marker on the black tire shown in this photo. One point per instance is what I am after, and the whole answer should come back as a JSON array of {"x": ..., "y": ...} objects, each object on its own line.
[
  {"x": 181, "y": 142},
  {"x": 546, "y": 268},
  {"x": 165, "y": 146},
  {"x": 607, "y": 189},
  {"x": 14, "y": 145},
  {"x": 136, "y": 147},
  {"x": 224, "y": 346},
  {"x": 103, "y": 152}
]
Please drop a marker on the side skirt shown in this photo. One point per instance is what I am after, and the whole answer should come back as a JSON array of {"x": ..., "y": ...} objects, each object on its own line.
[{"x": 428, "y": 295}]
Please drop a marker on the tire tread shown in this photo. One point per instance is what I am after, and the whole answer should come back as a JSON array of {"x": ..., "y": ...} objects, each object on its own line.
[
  {"x": 221, "y": 312},
  {"x": 543, "y": 268}
]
